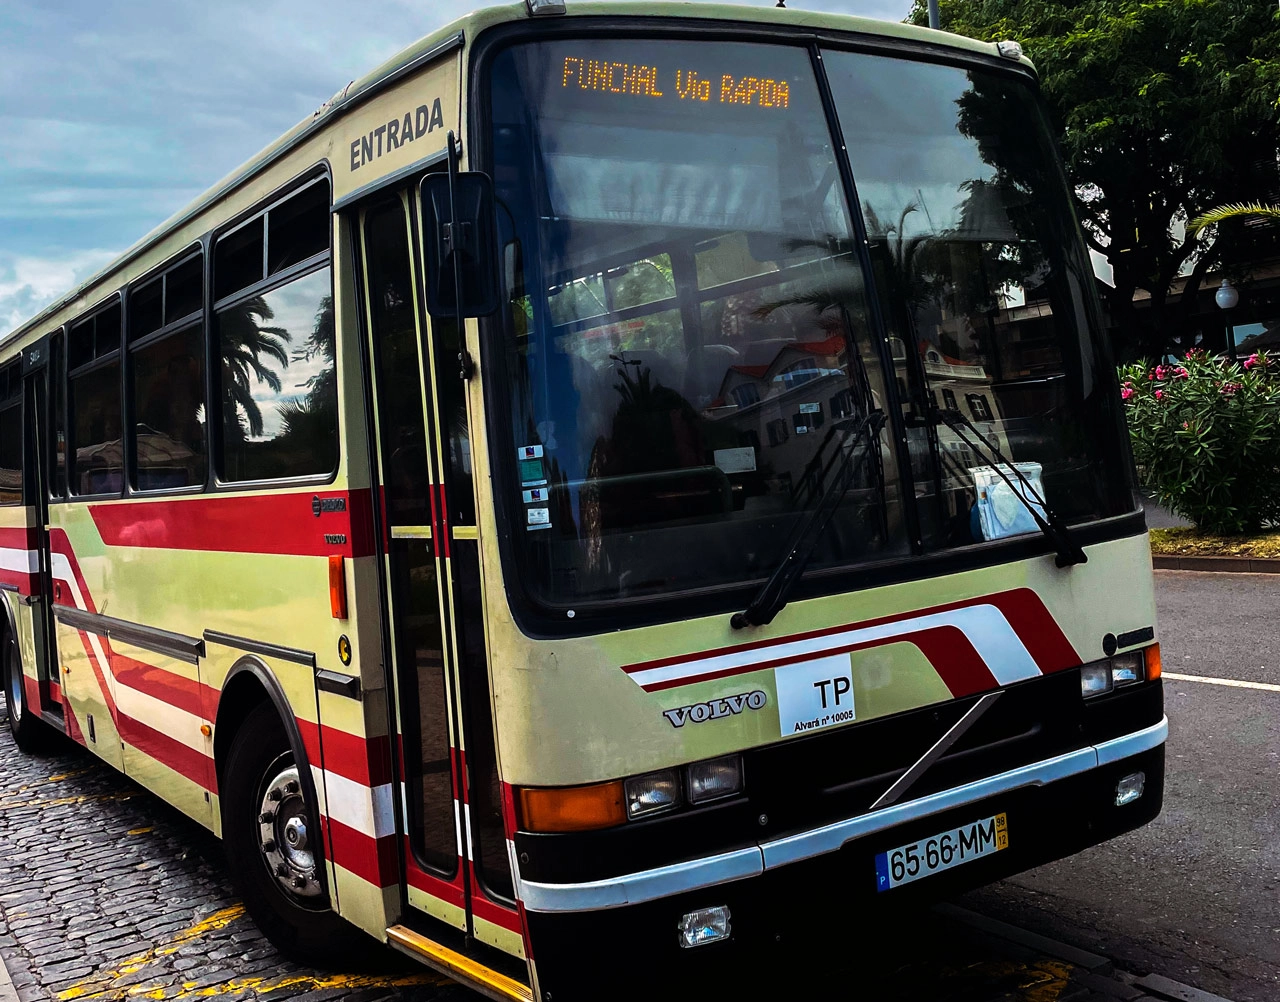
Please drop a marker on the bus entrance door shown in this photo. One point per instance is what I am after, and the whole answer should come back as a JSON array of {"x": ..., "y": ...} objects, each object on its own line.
[
  {"x": 39, "y": 448},
  {"x": 454, "y": 843}
]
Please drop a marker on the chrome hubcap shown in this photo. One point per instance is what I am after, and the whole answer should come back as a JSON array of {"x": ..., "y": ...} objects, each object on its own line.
[{"x": 282, "y": 834}]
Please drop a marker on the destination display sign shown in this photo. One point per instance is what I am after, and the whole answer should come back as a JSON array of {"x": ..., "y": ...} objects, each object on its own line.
[{"x": 674, "y": 84}]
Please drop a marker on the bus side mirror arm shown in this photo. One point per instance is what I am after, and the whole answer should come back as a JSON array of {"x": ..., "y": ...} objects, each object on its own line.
[{"x": 460, "y": 239}]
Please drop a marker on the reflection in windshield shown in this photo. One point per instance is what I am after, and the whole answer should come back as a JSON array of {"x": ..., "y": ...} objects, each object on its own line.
[
  {"x": 977, "y": 258},
  {"x": 688, "y": 338}
]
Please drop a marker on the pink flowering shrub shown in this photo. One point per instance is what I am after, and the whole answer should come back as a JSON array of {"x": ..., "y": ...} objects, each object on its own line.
[{"x": 1206, "y": 437}]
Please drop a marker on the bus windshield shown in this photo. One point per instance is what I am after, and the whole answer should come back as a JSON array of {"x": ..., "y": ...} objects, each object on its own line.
[{"x": 689, "y": 348}]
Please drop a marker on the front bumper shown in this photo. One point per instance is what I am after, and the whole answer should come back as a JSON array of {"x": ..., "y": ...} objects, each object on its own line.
[{"x": 1055, "y": 807}]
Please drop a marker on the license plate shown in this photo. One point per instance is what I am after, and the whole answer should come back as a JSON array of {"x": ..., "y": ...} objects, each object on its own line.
[{"x": 941, "y": 852}]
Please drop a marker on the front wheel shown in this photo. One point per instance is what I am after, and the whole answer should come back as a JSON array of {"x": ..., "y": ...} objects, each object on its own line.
[
  {"x": 29, "y": 731},
  {"x": 273, "y": 845}
]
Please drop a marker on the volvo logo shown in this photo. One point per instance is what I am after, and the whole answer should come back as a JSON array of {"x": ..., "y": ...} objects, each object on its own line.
[{"x": 713, "y": 709}]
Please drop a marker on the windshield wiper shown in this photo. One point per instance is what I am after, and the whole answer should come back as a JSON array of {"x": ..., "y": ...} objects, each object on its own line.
[
  {"x": 1069, "y": 551},
  {"x": 773, "y": 596}
]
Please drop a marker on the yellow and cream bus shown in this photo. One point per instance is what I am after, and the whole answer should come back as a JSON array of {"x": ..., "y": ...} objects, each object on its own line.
[{"x": 606, "y": 471}]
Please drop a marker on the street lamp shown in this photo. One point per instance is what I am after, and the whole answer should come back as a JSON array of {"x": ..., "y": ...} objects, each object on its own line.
[{"x": 1227, "y": 297}]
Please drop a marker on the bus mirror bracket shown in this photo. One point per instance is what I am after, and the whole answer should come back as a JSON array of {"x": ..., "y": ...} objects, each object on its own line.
[{"x": 458, "y": 220}]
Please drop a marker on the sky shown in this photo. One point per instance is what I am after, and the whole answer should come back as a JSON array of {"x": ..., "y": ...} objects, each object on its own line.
[{"x": 116, "y": 113}]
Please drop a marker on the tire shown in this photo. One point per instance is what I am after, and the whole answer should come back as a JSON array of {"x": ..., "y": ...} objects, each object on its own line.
[
  {"x": 30, "y": 733},
  {"x": 276, "y": 866}
]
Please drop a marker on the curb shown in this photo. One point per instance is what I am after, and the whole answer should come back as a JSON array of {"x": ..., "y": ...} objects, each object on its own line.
[
  {"x": 1232, "y": 565},
  {"x": 1098, "y": 968}
]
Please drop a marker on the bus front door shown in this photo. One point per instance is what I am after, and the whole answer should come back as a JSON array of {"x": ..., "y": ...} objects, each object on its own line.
[
  {"x": 455, "y": 849},
  {"x": 39, "y": 451}
]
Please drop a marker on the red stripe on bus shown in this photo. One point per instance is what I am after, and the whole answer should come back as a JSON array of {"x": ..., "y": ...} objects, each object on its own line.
[
  {"x": 491, "y": 911},
  {"x": 18, "y": 537},
  {"x": 366, "y": 761},
  {"x": 31, "y": 690},
  {"x": 60, "y": 544},
  {"x": 168, "y": 687},
  {"x": 419, "y": 879},
  {"x": 1037, "y": 629},
  {"x": 282, "y": 524},
  {"x": 953, "y": 657},
  {"x": 24, "y": 582},
  {"x": 182, "y": 759},
  {"x": 372, "y": 859},
  {"x": 55, "y": 691},
  {"x": 1022, "y": 607}
]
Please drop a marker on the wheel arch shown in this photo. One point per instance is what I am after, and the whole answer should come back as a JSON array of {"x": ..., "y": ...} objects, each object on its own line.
[{"x": 249, "y": 684}]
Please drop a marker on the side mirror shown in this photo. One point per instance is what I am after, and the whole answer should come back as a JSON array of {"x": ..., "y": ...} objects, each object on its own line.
[{"x": 461, "y": 272}]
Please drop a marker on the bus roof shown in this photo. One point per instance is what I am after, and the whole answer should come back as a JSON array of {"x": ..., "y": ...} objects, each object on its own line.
[{"x": 453, "y": 35}]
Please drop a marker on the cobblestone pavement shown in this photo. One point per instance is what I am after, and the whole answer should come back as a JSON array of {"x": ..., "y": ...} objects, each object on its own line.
[{"x": 108, "y": 894}]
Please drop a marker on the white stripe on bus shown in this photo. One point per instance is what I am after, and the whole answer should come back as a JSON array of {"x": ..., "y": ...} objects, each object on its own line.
[
  {"x": 985, "y": 626},
  {"x": 367, "y": 810},
  {"x": 19, "y": 561}
]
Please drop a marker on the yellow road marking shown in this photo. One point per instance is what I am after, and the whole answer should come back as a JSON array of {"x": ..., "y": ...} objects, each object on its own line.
[
  {"x": 98, "y": 985},
  {"x": 1235, "y": 683},
  {"x": 139, "y": 831},
  {"x": 239, "y": 986},
  {"x": 1043, "y": 981}
]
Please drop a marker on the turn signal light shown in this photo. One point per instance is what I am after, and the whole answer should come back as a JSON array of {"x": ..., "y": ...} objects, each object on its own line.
[
  {"x": 1152, "y": 657},
  {"x": 337, "y": 588},
  {"x": 571, "y": 808}
]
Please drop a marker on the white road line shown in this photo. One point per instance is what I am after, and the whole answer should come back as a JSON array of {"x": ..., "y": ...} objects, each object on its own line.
[{"x": 1235, "y": 683}]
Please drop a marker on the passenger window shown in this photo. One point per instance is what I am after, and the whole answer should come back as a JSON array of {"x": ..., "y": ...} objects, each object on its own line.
[
  {"x": 169, "y": 411},
  {"x": 167, "y": 379},
  {"x": 11, "y": 435},
  {"x": 298, "y": 229},
  {"x": 278, "y": 383},
  {"x": 93, "y": 385},
  {"x": 237, "y": 263}
]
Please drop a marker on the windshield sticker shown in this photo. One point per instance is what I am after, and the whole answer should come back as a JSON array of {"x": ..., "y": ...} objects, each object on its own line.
[
  {"x": 538, "y": 518},
  {"x": 532, "y": 472},
  {"x": 714, "y": 709},
  {"x": 736, "y": 460},
  {"x": 811, "y": 408},
  {"x": 535, "y": 495},
  {"x": 814, "y": 694}
]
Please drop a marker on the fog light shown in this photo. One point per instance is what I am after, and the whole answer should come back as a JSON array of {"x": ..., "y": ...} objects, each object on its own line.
[
  {"x": 1129, "y": 788},
  {"x": 1126, "y": 668},
  {"x": 1095, "y": 679},
  {"x": 706, "y": 925},
  {"x": 649, "y": 794},
  {"x": 715, "y": 778}
]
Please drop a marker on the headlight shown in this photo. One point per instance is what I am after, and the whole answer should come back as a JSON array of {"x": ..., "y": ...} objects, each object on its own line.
[
  {"x": 652, "y": 793},
  {"x": 1126, "y": 668},
  {"x": 1095, "y": 679},
  {"x": 715, "y": 778}
]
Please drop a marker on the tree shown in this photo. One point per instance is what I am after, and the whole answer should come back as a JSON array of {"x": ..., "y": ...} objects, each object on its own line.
[{"x": 1162, "y": 107}]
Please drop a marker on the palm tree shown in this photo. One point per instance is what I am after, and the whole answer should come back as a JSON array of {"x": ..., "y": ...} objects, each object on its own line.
[
  {"x": 248, "y": 350},
  {"x": 1235, "y": 210}
]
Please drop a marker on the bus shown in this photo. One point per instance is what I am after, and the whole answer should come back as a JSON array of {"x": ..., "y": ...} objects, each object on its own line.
[{"x": 667, "y": 460}]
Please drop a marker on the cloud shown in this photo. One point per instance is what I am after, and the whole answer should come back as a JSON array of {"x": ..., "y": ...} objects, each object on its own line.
[
  {"x": 28, "y": 284},
  {"x": 119, "y": 112}
]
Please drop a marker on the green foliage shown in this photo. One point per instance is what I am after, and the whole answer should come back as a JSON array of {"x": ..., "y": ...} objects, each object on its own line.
[
  {"x": 1163, "y": 107},
  {"x": 1240, "y": 210},
  {"x": 1206, "y": 437}
]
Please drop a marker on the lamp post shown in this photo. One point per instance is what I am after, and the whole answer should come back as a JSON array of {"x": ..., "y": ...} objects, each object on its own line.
[{"x": 1227, "y": 297}]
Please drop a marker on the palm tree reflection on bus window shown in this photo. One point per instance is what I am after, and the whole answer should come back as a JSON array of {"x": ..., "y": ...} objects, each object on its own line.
[{"x": 279, "y": 384}]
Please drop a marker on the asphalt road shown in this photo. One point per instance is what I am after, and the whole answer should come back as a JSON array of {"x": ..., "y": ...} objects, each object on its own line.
[
  {"x": 107, "y": 894},
  {"x": 1195, "y": 894}
]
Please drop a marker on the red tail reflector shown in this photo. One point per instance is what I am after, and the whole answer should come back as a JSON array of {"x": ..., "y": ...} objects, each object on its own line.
[{"x": 337, "y": 588}]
